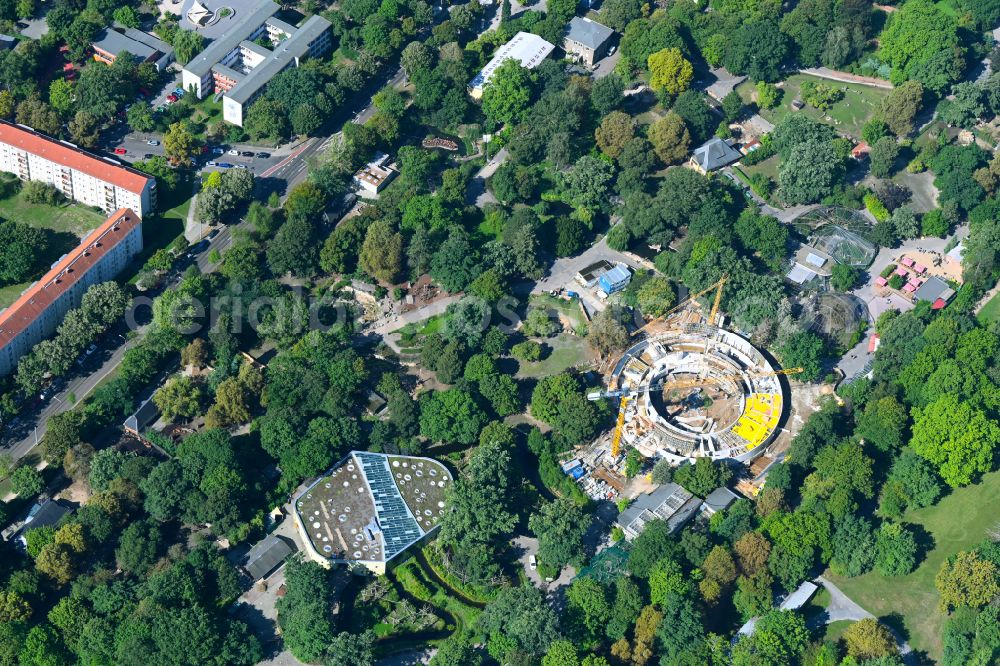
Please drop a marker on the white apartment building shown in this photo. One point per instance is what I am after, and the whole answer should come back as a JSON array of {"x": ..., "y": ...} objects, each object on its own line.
[
  {"x": 79, "y": 175},
  {"x": 37, "y": 313},
  {"x": 239, "y": 68}
]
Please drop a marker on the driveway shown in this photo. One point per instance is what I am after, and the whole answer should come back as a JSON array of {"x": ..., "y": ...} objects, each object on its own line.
[
  {"x": 478, "y": 192},
  {"x": 528, "y": 546},
  {"x": 842, "y": 607}
]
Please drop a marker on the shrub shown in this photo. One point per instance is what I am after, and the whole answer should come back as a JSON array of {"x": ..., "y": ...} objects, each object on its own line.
[
  {"x": 527, "y": 351},
  {"x": 37, "y": 192},
  {"x": 876, "y": 207}
]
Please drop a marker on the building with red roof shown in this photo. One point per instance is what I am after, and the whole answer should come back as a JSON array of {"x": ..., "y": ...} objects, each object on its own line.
[
  {"x": 79, "y": 175},
  {"x": 40, "y": 309}
]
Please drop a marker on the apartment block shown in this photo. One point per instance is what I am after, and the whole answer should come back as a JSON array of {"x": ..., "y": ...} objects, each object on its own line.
[
  {"x": 79, "y": 175},
  {"x": 238, "y": 66},
  {"x": 37, "y": 313}
]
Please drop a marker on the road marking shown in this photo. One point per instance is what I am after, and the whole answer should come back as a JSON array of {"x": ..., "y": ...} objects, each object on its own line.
[{"x": 288, "y": 159}]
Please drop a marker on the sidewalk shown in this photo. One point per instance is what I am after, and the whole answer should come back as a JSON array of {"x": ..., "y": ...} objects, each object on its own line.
[{"x": 847, "y": 77}]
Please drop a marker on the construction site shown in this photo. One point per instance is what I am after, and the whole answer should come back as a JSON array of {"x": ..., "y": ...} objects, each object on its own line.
[{"x": 687, "y": 388}]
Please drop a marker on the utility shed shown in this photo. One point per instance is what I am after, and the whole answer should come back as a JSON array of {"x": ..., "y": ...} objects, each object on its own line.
[
  {"x": 266, "y": 555},
  {"x": 719, "y": 499},
  {"x": 614, "y": 280}
]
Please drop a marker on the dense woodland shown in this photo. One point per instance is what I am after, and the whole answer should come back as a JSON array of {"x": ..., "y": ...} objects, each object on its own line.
[{"x": 134, "y": 575}]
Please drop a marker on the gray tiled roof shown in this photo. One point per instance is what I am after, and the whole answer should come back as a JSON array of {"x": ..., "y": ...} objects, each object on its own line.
[
  {"x": 714, "y": 154},
  {"x": 266, "y": 555},
  {"x": 589, "y": 33},
  {"x": 112, "y": 41}
]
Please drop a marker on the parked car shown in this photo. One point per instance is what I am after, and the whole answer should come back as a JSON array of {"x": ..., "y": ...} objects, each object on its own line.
[
  {"x": 213, "y": 233},
  {"x": 120, "y": 151},
  {"x": 532, "y": 562},
  {"x": 90, "y": 350},
  {"x": 218, "y": 151},
  {"x": 246, "y": 153},
  {"x": 211, "y": 163},
  {"x": 242, "y": 166},
  {"x": 224, "y": 165},
  {"x": 152, "y": 142},
  {"x": 148, "y": 156},
  {"x": 263, "y": 155},
  {"x": 204, "y": 149},
  {"x": 179, "y": 92},
  {"x": 233, "y": 151},
  {"x": 171, "y": 98}
]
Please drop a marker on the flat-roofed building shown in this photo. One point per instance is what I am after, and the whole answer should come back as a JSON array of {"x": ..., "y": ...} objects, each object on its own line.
[
  {"x": 110, "y": 43},
  {"x": 37, "y": 313},
  {"x": 370, "y": 508},
  {"x": 237, "y": 65},
  {"x": 375, "y": 175},
  {"x": 528, "y": 49},
  {"x": 79, "y": 175}
]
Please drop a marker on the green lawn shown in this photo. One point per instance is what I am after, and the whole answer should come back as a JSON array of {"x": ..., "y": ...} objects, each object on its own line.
[
  {"x": 990, "y": 311},
  {"x": 68, "y": 223},
  {"x": 567, "y": 352},
  {"x": 67, "y": 218},
  {"x": 835, "y": 630},
  {"x": 957, "y": 522},
  {"x": 570, "y": 309},
  {"x": 848, "y": 115}
]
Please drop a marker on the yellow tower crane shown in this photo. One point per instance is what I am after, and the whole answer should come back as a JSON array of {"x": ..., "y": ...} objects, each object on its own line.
[{"x": 692, "y": 299}]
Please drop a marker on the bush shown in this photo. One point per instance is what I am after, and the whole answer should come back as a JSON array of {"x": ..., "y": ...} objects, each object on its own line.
[
  {"x": 876, "y": 208},
  {"x": 26, "y": 482},
  {"x": 887, "y": 271},
  {"x": 527, "y": 351},
  {"x": 37, "y": 192}
]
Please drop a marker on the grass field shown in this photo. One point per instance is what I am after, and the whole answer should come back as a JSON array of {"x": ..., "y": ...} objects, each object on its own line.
[
  {"x": 67, "y": 218},
  {"x": 848, "y": 115},
  {"x": 570, "y": 309},
  {"x": 567, "y": 352},
  {"x": 957, "y": 522},
  {"x": 990, "y": 311},
  {"x": 67, "y": 222}
]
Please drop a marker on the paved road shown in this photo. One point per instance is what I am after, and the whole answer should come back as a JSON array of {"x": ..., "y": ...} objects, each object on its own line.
[
  {"x": 80, "y": 387},
  {"x": 842, "y": 607}
]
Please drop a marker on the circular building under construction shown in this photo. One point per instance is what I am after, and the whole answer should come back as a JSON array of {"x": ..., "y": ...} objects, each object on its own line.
[{"x": 693, "y": 390}]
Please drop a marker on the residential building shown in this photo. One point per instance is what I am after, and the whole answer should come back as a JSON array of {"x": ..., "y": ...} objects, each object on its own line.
[
  {"x": 587, "y": 40},
  {"x": 375, "y": 175},
  {"x": 528, "y": 49},
  {"x": 112, "y": 42},
  {"x": 669, "y": 502},
  {"x": 238, "y": 66},
  {"x": 79, "y": 175},
  {"x": 40, "y": 309},
  {"x": 713, "y": 154}
]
